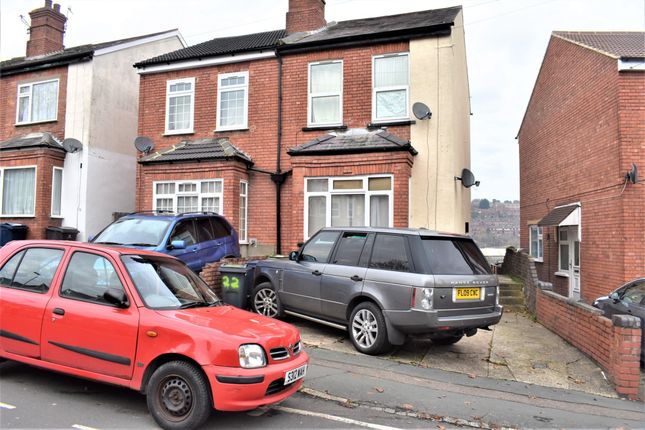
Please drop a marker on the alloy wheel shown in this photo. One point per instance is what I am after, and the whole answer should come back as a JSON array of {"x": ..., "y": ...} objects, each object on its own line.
[
  {"x": 365, "y": 328},
  {"x": 266, "y": 303}
]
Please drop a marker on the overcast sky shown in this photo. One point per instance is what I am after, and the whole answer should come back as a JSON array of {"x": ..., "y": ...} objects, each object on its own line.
[{"x": 505, "y": 43}]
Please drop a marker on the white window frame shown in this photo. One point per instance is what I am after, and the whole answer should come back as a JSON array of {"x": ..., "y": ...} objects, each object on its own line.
[
  {"x": 198, "y": 193},
  {"x": 311, "y": 96},
  {"x": 364, "y": 191},
  {"x": 60, "y": 215},
  {"x": 540, "y": 242},
  {"x": 244, "y": 238},
  {"x": 30, "y": 95},
  {"x": 2, "y": 171},
  {"x": 192, "y": 92},
  {"x": 245, "y": 123},
  {"x": 376, "y": 90}
]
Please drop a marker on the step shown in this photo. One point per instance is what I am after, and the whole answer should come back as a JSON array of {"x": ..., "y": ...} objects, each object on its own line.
[
  {"x": 511, "y": 293},
  {"x": 511, "y": 300},
  {"x": 514, "y": 308}
]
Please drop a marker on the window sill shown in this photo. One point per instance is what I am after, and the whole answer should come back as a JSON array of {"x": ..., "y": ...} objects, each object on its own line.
[
  {"x": 176, "y": 133},
  {"x": 223, "y": 130},
  {"x": 24, "y": 124},
  {"x": 325, "y": 127},
  {"x": 56, "y": 216},
  {"x": 562, "y": 274},
  {"x": 391, "y": 123},
  {"x": 537, "y": 260},
  {"x": 18, "y": 216}
]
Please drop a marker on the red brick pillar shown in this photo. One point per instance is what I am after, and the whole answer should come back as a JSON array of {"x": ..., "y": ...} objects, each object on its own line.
[{"x": 624, "y": 355}]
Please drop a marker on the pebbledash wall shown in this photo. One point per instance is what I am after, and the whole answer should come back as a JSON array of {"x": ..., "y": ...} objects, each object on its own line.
[
  {"x": 582, "y": 130},
  {"x": 614, "y": 344}
]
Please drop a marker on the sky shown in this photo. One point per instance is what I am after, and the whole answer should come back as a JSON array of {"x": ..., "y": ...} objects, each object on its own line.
[{"x": 505, "y": 44}]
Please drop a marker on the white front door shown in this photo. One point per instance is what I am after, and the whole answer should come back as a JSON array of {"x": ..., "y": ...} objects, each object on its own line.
[{"x": 570, "y": 258}]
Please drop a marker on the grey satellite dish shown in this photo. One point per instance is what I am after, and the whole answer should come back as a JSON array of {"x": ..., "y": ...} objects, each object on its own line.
[
  {"x": 72, "y": 145},
  {"x": 632, "y": 175},
  {"x": 421, "y": 111},
  {"x": 143, "y": 144},
  {"x": 467, "y": 179}
]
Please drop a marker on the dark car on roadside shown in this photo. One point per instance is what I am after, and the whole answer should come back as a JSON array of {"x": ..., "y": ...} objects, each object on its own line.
[
  {"x": 195, "y": 238},
  {"x": 628, "y": 299},
  {"x": 381, "y": 284}
]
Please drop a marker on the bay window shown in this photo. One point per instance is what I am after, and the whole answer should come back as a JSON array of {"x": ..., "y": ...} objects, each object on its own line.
[
  {"x": 18, "y": 191},
  {"x": 348, "y": 201},
  {"x": 37, "y": 102},
  {"x": 390, "y": 87},
  {"x": 57, "y": 187},
  {"x": 244, "y": 208},
  {"x": 325, "y": 95},
  {"x": 188, "y": 196}
]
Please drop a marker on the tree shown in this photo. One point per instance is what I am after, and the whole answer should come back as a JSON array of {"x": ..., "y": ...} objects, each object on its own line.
[{"x": 484, "y": 204}]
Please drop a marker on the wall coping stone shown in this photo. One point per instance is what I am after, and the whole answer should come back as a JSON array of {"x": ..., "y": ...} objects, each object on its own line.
[
  {"x": 545, "y": 286},
  {"x": 626, "y": 321}
]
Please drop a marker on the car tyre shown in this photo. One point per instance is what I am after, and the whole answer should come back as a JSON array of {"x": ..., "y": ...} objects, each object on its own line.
[
  {"x": 265, "y": 301},
  {"x": 367, "y": 329},
  {"x": 448, "y": 340},
  {"x": 178, "y": 396}
]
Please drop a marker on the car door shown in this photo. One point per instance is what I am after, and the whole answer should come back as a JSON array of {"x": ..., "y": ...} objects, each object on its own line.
[
  {"x": 208, "y": 249},
  {"x": 343, "y": 276},
  {"x": 300, "y": 287},
  {"x": 83, "y": 330},
  {"x": 185, "y": 230},
  {"x": 25, "y": 288}
]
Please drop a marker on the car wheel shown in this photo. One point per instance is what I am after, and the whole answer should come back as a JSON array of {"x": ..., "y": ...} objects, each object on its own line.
[
  {"x": 178, "y": 396},
  {"x": 367, "y": 329},
  {"x": 265, "y": 301},
  {"x": 448, "y": 340}
]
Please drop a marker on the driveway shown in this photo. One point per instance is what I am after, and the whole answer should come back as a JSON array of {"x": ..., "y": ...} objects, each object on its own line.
[{"x": 517, "y": 349}]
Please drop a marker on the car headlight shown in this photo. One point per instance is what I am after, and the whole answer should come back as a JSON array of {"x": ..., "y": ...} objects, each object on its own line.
[{"x": 252, "y": 356}]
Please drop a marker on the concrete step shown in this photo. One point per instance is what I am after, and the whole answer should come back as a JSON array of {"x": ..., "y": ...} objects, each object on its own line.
[
  {"x": 511, "y": 300},
  {"x": 514, "y": 308},
  {"x": 511, "y": 295}
]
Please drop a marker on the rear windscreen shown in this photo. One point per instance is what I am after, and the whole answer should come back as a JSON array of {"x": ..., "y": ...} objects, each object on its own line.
[{"x": 451, "y": 256}]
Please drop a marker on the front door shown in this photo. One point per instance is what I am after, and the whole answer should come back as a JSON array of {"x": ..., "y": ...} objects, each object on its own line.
[
  {"x": 81, "y": 329},
  {"x": 570, "y": 258}
]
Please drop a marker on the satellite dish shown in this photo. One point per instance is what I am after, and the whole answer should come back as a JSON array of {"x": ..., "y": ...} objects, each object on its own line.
[
  {"x": 632, "y": 175},
  {"x": 72, "y": 145},
  {"x": 421, "y": 111},
  {"x": 143, "y": 144},
  {"x": 467, "y": 179}
]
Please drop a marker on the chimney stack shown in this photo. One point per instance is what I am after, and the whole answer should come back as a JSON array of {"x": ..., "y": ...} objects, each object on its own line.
[
  {"x": 305, "y": 15},
  {"x": 46, "y": 30}
]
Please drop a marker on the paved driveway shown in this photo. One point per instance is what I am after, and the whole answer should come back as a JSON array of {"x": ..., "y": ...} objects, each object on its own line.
[{"x": 517, "y": 349}]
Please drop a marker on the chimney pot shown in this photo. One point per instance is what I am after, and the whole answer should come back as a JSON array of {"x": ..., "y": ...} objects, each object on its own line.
[
  {"x": 57, "y": 7},
  {"x": 48, "y": 4}
]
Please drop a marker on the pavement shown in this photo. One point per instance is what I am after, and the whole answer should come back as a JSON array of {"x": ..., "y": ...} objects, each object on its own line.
[{"x": 517, "y": 349}]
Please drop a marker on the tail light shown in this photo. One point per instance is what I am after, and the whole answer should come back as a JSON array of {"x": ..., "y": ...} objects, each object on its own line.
[{"x": 424, "y": 297}]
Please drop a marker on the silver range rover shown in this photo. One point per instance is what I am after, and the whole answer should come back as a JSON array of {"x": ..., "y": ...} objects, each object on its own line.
[{"x": 381, "y": 284}]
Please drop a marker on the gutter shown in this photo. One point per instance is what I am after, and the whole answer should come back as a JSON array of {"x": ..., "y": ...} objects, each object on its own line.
[{"x": 46, "y": 64}]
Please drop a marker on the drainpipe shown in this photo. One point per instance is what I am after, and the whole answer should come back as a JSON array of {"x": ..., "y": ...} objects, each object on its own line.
[{"x": 278, "y": 178}]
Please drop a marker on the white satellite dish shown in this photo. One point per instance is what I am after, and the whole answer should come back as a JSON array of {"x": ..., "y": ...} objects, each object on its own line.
[
  {"x": 72, "y": 145},
  {"x": 143, "y": 144}
]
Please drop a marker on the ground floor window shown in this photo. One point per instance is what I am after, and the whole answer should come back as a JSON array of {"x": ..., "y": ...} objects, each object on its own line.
[
  {"x": 536, "y": 242},
  {"x": 348, "y": 201},
  {"x": 244, "y": 193},
  {"x": 188, "y": 196},
  {"x": 57, "y": 188},
  {"x": 18, "y": 191}
]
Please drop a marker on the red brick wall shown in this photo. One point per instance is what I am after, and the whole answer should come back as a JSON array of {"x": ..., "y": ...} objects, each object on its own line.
[
  {"x": 260, "y": 140},
  {"x": 44, "y": 160},
  {"x": 615, "y": 348},
  {"x": 9, "y": 95},
  {"x": 571, "y": 150},
  {"x": 305, "y": 15}
]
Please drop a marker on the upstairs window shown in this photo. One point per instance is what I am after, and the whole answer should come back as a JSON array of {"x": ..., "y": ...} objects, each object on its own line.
[
  {"x": 180, "y": 105},
  {"x": 232, "y": 101},
  {"x": 390, "y": 87},
  {"x": 37, "y": 102},
  {"x": 325, "y": 93}
]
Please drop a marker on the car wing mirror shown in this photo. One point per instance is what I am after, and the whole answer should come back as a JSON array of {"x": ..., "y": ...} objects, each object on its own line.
[
  {"x": 90, "y": 238},
  {"x": 293, "y": 256},
  {"x": 116, "y": 297},
  {"x": 615, "y": 297},
  {"x": 177, "y": 244}
]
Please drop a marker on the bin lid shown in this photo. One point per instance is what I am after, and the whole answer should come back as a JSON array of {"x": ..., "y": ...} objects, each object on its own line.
[
  {"x": 233, "y": 268},
  {"x": 62, "y": 229},
  {"x": 12, "y": 225}
]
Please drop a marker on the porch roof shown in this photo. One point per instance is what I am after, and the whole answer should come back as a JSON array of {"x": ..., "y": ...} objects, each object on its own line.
[
  {"x": 198, "y": 150},
  {"x": 31, "y": 141},
  {"x": 353, "y": 141},
  {"x": 561, "y": 216}
]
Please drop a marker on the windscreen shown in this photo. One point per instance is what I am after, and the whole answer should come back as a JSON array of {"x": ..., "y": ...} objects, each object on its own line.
[
  {"x": 134, "y": 232},
  {"x": 164, "y": 283},
  {"x": 453, "y": 256}
]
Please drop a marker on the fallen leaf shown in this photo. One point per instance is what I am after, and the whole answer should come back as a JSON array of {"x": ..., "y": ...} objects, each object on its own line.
[
  {"x": 441, "y": 427},
  {"x": 407, "y": 406},
  {"x": 379, "y": 389},
  {"x": 467, "y": 403},
  {"x": 472, "y": 375}
]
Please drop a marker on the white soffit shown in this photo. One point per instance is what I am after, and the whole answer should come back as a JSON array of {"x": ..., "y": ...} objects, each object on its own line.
[{"x": 193, "y": 64}]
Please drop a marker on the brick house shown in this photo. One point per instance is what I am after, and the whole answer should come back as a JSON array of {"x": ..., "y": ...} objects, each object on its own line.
[
  {"x": 291, "y": 130},
  {"x": 89, "y": 93},
  {"x": 581, "y": 217}
]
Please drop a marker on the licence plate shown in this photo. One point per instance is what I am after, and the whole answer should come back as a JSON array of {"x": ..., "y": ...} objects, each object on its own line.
[
  {"x": 468, "y": 293},
  {"x": 295, "y": 374}
]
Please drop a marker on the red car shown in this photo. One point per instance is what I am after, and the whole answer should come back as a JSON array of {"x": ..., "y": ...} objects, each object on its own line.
[{"x": 145, "y": 321}]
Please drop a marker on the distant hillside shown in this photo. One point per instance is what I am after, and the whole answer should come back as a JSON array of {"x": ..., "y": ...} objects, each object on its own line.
[{"x": 495, "y": 224}]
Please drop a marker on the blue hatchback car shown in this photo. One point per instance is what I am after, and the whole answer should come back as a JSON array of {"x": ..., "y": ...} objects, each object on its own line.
[{"x": 195, "y": 238}]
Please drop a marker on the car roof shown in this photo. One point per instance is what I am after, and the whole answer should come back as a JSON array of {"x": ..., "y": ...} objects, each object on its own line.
[
  {"x": 171, "y": 216},
  {"x": 407, "y": 231},
  {"x": 115, "y": 250}
]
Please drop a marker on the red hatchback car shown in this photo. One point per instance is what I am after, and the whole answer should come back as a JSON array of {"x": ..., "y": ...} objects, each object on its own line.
[{"x": 145, "y": 321}]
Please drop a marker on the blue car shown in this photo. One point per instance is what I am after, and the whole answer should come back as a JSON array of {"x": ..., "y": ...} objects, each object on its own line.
[{"x": 195, "y": 238}]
